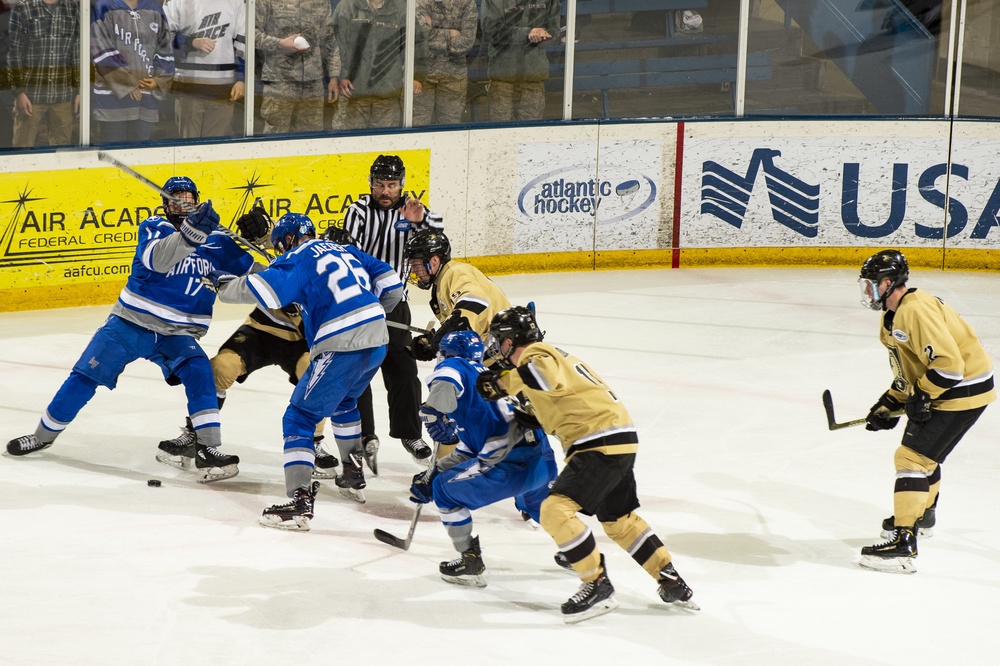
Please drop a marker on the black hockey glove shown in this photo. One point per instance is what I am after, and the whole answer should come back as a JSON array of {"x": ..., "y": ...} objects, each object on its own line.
[
  {"x": 199, "y": 224},
  {"x": 338, "y": 235},
  {"x": 422, "y": 348},
  {"x": 455, "y": 322},
  {"x": 488, "y": 384},
  {"x": 255, "y": 225},
  {"x": 918, "y": 406},
  {"x": 879, "y": 417}
]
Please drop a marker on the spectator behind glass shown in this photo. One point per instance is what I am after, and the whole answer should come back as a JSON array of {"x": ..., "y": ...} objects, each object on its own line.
[
  {"x": 209, "y": 45},
  {"x": 134, "y": 62},
  {"x": 451, "y": 31},
  {"x": 297, "y": 47},
  {"x": 372, "y": 39},
  {"x": 44, "y": 69},
  {"x": 517, "y": 33},
  {"x": 6, "y": 101}
]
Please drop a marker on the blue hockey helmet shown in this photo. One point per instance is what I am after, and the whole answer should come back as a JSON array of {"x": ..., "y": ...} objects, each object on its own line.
[
  {"x": 465, "y": 344},
  {"x": 295, "y": 225},
  {"x": 174, "y": 186}
]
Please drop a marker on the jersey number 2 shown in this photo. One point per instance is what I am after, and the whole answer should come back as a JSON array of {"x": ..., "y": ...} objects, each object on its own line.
[{"x": 340, "y": 272}]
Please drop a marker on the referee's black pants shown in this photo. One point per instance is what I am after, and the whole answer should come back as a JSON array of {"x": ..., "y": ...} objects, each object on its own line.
[{"x": 399, "y": 374}]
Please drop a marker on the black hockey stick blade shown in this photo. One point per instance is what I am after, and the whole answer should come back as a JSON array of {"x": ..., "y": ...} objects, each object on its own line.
[
  {"x": 395, "y": 541},
  {"x": 831, "y": 421}
]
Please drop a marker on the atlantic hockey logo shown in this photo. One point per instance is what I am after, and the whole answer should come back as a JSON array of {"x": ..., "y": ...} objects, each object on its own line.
[
  {"x": 726, "y": 193},
  {"x": 617, "y": 193}
]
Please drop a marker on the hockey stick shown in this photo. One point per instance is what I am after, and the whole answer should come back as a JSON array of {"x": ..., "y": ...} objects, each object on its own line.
[
  {"x": 395, "y": 541},
  {"x": 105, "y": 157},
  {"x": 404, "y": 327},
  {"x": 831, "y": 421}
]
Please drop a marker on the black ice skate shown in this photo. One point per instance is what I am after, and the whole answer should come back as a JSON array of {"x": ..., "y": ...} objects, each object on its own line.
[
  {"x": 592, "y": 599},
  {"x": 895, "y": 555},
  {"x": 212, "y": 464},
  {"x": 674, "y": 590},
  {"x": 370, "y": 450},
  {"x": 180, "y": 451},
  {"x": 351, "y": 481},
  {"x": 326, "y": 463},
  {"x": 467, "y": 568},
  {"x": 418, "y": 449},
  {"x": 22, "y": 446},
  {"x": 293, "y": 515},
  {"x": 925, "y": 524}
]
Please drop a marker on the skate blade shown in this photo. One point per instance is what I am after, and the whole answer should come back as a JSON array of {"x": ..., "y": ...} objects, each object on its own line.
[
  {"x": 467, "y": 581},
  {"x": 600, "y": 608},
  {"x": 213, "y": 474},
  {"x": 178, "y": 462},
  {"x": 296, "y": 524},
  {"x": 330, "y": 473},
  {"x": 687, "y": 605},
  {"x": 370, "y": 454},
  {"x": 353, "y": 494},
  {"x": 901, "y": 565}
]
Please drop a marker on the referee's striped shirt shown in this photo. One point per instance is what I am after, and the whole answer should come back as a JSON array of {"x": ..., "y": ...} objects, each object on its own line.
[{"x": 374, "y": 231}]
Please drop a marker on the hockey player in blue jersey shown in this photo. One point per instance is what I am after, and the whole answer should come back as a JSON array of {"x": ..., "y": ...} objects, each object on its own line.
[
  {"x": 343, "y": 294},
  {"x": 160, "y": 315},
  {"x": 495, "y": 457}
]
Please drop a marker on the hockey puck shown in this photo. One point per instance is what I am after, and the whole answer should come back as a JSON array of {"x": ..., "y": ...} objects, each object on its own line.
[{"x": 153, "y": 483}]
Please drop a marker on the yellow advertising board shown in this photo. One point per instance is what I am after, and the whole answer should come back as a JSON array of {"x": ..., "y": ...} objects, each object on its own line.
[{"x": 68, "y": 237}]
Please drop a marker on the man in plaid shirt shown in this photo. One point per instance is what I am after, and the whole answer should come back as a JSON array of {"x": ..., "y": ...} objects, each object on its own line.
[{"x": 44, "y": 62}]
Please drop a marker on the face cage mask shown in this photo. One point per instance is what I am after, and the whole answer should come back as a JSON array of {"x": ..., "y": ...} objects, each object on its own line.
[
  {"x": 870, "y": 298},
  {"x": 491, "y": 349},
  {"x": 414, "y": 279}
]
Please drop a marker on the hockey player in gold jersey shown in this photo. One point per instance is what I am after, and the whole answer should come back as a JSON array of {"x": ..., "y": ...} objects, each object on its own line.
[
  {"x": 599, "y": 442},
  {"x": 943, "y": 378},
  {"x": 462, "y": 298}
]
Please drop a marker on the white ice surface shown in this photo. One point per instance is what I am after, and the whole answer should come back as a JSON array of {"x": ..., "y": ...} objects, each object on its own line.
[{"x": 763, "y": 508}]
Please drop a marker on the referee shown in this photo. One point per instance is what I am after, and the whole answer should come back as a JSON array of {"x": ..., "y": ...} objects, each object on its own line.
[{"x": 380, "y": 224}]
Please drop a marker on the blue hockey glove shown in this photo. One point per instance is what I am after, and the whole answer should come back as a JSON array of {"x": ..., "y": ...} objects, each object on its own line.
[
  {"x": 216, "y": 279},
  {"x": 439, "y": 427},
  {"x": 199, "y": 224},
  {"x": 918, "y": 406},
  {"x": 421, "y": 491}
]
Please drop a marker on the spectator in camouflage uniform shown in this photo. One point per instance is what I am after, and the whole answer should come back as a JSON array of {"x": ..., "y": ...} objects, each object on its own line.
[
  {"x": 516, "y": 33},
  {"x": 294, "y": 94},
  {"x": 451, "y": 30},
  {"x": 372, "y": 39}
]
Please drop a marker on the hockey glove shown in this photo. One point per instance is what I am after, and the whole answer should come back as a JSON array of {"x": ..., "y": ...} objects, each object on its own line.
[
  {"x": 216, "y": 279},
  {"x": 880, "y": 417},
  {"x": 199, "y": 224},
  {"x": 918, "y": 406},
  {"x": 255, "y": 225},
  {"x": 421, "y": 491},
  {"x": 422, "y": 348},
  {"x": 488, "y": 383},
  {"x": 439, "y": 427},
  {"x": 456, "y": 322}
]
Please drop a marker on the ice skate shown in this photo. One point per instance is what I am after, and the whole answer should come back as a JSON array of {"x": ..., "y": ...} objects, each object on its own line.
[
  {"x": 532, "y": 523},
  {"x": 27, "y": 444},
  {"x": 180, "y": 451},
  {"x": 351, "y": 480},
  {"x": 895, "y": 555},
  {"x": 418, "y": 449},
  {"x": 294, "y": 515},
  {"x": 370, "y": 450},
  {"x": 326, "y": 463},
  {"x": 214, "y": 465},
  {"x": 673, "y": 590},
  {"x": 925, "y": 524},
  {"x": 592, "y": 599},
  {"x": 467, "y": 568}
]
